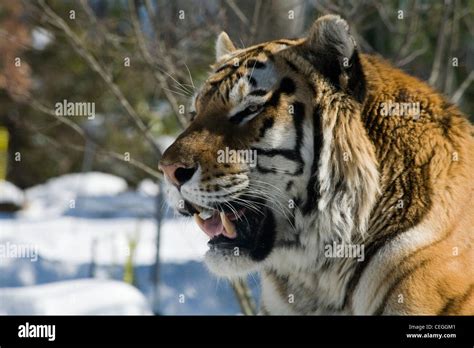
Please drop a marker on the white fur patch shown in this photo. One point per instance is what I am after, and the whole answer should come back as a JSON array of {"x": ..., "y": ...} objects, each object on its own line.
[
  {"x": 266, "y": 79},
  {"x": 346, "y": 210},
  {"x": 272, "y": 299},
  {"x": 366, "y": 298}
]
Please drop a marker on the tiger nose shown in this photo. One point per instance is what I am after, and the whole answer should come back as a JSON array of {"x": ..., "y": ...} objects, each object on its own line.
[{"x": 177, "y": 173}]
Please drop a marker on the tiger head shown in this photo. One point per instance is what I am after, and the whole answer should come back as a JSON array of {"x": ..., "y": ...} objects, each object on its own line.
[{"x": 250, "y": 167}]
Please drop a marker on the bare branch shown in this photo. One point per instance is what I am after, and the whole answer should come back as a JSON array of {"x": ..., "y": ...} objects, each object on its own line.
[
  {"x": 81, "y": 49},
  {"x": 37, "y": 105},
  {"x": 412, "y": 56},
  {"x": 150, "y": 61},
  {"x": 237, "y": 11},
  {"x": 98, "y": 27},
  {"x": 108, "y": 154},
  {"x": 256, "y": 16},
  {"x": 453, "y": 47},
  {"x": 440, "y": 46},
  {"x": 244, "y": 296},
  {"x": 384, "y": 16},
  {"x": 410, "y": 32},
  {"x": 462, "y": 88},
  {"x": 151, "y": 14}
]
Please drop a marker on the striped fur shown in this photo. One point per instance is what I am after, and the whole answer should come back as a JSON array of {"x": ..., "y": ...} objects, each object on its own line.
[{"x": 335, "y": 170}]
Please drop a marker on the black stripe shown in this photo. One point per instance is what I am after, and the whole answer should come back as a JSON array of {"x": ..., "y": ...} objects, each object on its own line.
[
  {"x": 265, "y": 238},
  {"x": 264, "y": 170},
  {"x": 229, "y": 75},
  {"x": 269, "y": 55},
  {"x": 290, "y": 154},
  {"x": 254, "y": 64},
  {"x": 241, "y": 115},
  {"x": 286, "y": 153},
  {"x": 268, "y": 123},
  {"x": 292, "y": 66},
  {"x": 395, "y": 226},
  {"x": 298, "y": 118},
  {"x": 287, "y": 86},
  {"x": 258, "y": 92},
  {"x": 454, "y": 305},
  {"x": 313, "y": 183},
  {"x": 252, "y": 81},
  {"x": 224, "y": 67},
  {"x": 371, "y": 249},
  {"x": 232, "y": 69}
]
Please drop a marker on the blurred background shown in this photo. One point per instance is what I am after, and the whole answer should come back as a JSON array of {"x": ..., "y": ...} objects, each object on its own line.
[{"x": 84, "y": 227}]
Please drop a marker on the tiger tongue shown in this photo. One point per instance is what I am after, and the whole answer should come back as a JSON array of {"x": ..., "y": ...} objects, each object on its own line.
[{"x": 217, "y": 224}]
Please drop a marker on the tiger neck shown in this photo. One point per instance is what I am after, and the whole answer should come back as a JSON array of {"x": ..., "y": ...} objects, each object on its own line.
[{"x": 298, "y": 269}]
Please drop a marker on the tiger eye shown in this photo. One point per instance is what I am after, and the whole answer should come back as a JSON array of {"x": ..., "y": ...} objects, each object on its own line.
[{"x": 253, "y": 108}]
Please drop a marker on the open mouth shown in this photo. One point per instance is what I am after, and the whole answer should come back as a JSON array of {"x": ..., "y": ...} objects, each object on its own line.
[
  {"x": 215, "y": 223},
  {"x": 231, "y": 225}
]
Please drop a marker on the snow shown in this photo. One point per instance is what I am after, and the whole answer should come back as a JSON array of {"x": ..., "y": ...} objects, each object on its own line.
[
  {"x": 148, "y": 187},
  {"x": 74, "y": 297},
  {"x": 87, "y": 184},
  {"x": 90, "y": 240},
  {"x": 41, "y": 38},
  {"x": 106, "y": 241},
  {"x": 165, "y": 141},
  {"x": 9, "y": 193},
  {"x": 126, "y": 204},
  {"x": 60, "y": 194}
]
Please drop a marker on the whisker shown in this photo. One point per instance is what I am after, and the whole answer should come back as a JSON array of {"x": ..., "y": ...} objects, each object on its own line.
[
  {"x": 190, "y": 75},
  {"x": 178, "y": 93},
  {"x": 285, "y": 211},
  {"x": 179, "y": 83}
]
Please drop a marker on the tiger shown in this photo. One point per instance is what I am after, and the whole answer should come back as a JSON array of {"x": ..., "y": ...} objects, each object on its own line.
[{"x": 352, "y": 154}]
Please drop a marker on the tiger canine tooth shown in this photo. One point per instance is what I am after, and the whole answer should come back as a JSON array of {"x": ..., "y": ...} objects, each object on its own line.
[
  {"x": 205, "y": 214},
  {"x": 228, "y": 225},
  {"x": 198, "y": 220}
]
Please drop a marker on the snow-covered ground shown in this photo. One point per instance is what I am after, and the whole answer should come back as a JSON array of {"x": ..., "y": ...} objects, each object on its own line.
[
  {"x": 9, "y": 193},
  {"x": 78, "y": 297},
  {"x": 105, "y": 241},
  {"x": 84, "y": 226}
]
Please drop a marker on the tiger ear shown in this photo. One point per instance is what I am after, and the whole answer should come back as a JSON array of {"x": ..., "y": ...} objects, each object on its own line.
[
  {"x": 223, "y": 45},
  {"x": 333, "y": 51},
  {"x": 330, "y": 36}
]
